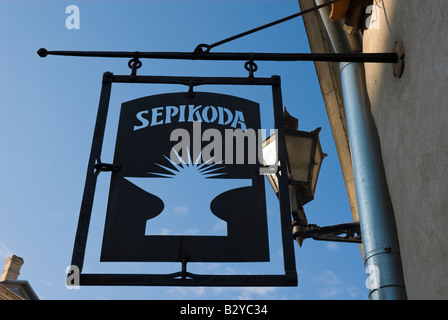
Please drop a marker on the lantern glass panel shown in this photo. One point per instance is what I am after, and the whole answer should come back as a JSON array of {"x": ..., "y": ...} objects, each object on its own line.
[
  {"x": 318, "y": 158},
  {"x": 300, "y": 148}
]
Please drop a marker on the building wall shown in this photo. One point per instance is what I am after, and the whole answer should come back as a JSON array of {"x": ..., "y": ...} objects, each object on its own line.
[{"x": 412, "y": 120}]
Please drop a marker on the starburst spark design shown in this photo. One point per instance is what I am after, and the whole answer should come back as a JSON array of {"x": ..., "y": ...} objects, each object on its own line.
[{"x": 181, "y": 167}]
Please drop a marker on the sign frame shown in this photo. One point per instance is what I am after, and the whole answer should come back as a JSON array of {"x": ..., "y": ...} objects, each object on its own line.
[{"x": 183, "y": 278}]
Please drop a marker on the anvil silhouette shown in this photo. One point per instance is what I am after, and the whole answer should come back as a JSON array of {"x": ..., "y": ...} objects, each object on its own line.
[{"x": 194, "y": 189}]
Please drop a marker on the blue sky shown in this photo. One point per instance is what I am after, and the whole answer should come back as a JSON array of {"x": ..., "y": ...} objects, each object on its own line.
[{"x": 48, "y": 111}]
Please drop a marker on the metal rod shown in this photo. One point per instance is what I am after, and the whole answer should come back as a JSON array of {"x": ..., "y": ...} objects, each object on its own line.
[
  {"x": 347, "y": 232},
  {"x": 284, "y": 200},
  {"x": 389, "y": 57},
  {"x": 266, "y": 26},
  {"x": 192, "y": 81},
  {"x": 91, "y": 177},
  {"x": 191, "y": 279}
]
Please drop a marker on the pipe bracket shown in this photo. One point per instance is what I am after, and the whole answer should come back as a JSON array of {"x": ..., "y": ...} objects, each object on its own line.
[{"x": 399, "y": 65}]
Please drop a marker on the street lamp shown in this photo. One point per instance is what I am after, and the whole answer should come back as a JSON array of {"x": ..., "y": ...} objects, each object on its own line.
[
  {"x": 304, "y": 154},
  {"x": 305, "y": 157}
]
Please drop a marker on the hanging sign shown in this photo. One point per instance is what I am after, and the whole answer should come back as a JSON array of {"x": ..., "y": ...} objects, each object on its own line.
[{"x": 189, "y": 186}]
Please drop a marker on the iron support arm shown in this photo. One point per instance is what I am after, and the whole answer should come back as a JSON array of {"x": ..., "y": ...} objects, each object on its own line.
[
  {"x": 391, "y": 57},
  {"x": 347, "y": 232}
]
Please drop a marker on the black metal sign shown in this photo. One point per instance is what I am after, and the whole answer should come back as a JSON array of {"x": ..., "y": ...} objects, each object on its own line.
[
  {"x": 189, "y": 185},
  {"x": 186, "y": 185}
]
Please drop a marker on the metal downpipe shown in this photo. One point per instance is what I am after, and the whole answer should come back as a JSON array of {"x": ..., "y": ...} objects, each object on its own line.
[{"x": 379, "y": 233}]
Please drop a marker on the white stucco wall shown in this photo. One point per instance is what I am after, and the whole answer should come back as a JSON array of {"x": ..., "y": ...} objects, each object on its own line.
[{"x": 411, "y": 114}]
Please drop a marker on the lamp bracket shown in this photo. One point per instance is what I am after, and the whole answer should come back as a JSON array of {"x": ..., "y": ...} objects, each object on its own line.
[
  {"x": 347, "y": 232},
  {"x": 99, "y": 166}
]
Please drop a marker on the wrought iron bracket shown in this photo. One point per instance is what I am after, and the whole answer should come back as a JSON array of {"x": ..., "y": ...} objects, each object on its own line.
[
  {"x": 388, "y": 57},
  {"x": 99, "y": 166},
  {"x": 399, "y": 65},
  {"x": 183, "y": 277},
  {"x": 134, "y": 64},
  {"x": 347, "y": 232}
]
